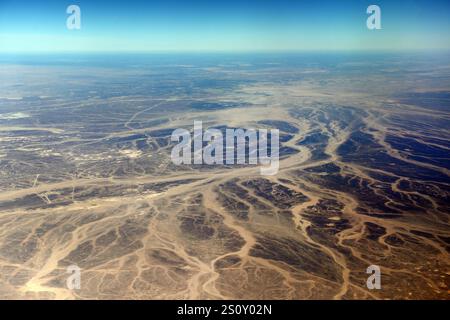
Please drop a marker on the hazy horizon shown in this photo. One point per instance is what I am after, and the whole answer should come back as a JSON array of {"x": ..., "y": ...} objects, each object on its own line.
[{"x": 232, "y": 26}]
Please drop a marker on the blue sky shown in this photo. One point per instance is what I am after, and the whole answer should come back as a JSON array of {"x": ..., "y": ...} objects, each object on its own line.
[{"x": 214, "y": 25}]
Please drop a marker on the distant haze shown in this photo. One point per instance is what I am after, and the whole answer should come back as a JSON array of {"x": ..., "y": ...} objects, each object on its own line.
[{"x": 172, "y": 25}]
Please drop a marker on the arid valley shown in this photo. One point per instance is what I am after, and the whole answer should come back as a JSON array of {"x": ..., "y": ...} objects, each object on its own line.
[{"x": 86, "y": 178}]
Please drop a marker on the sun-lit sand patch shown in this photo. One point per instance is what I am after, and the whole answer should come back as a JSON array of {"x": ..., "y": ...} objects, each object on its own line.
[
  {"x": 132, "y": 154},
  {"x": 13, "y": 116}
]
